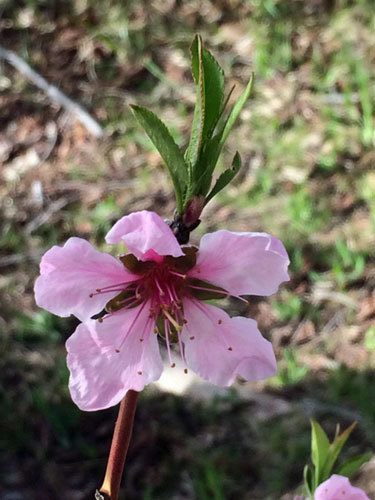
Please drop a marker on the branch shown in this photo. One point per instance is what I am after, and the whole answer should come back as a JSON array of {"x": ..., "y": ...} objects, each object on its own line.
[
  {"x": 53, "y": 92},
  {"x": 119, "y": 448}
]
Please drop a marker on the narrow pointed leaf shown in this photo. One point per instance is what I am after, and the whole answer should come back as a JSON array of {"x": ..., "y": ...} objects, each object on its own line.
[
  {"x": 335, "y": 449},
  {"x": 209, "y": 79},
  {"x": 196, "y": 135},
  {"x": 352, "y": 465},
  {"x": 226, "y": 177},
  {"x": 308, "y": 480},
  {"x": 168, "y": 149},
  {"x": 214, "y": 146},
  {"x": 213, "y": 92},
  {"x": 236, "y": 110},
  {"x": 319, "y": 450}
]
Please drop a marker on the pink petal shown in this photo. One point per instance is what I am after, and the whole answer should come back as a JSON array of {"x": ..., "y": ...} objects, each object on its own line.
[
  {"x": 100, "y": 376},
  {"x": 242, "y": 263},
  {"x": 339, "y": 488},
  {"x": 70, "y": 273},
  {"x": 214, "y": 332},
  {"x": 146, "y": 235}
]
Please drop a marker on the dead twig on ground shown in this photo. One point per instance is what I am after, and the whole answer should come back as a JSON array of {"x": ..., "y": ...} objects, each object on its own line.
[{"x": 53, "y": 92}]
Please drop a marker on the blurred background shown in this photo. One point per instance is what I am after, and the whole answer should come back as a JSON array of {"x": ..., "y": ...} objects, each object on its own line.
[{"x": 307, "y": 139}]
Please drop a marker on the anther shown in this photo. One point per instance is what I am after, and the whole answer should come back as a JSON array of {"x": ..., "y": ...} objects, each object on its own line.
[
  {"x": 91, "y": 295},
  {"x": 173, "y": 365},
  {"x": 98, "y": 290},
  {"x": 185, "y": 370},
  {"x": 192, "y": 337},
  {"x": 219, "y": 322},
  {"x": 230, "y": 348},
  {"x": 139, "y": 372},
  {"x": 156, "y": 331},
  {"x": 100, "y": 320},
  {"x": 117, "y": 350},
  {"x": 141, "y": 340}
]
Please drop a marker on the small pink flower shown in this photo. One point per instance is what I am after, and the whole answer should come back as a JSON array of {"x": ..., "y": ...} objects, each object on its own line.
[
  {"x": 339, "y": 488},
  {"x": 158, "y": 288}
]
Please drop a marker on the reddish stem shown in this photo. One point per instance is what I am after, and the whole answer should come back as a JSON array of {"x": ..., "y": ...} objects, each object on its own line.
[{"x": 119, "y": 446}]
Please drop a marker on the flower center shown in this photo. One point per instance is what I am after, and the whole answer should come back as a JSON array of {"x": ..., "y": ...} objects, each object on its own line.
[{"x": 161, "y": 286}]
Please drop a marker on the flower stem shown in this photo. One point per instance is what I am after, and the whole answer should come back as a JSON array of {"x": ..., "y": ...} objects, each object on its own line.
[{"x": 119, "y": 447}]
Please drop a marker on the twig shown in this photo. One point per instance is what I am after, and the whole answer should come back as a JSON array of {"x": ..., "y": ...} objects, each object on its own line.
[
  {"x": 43, "y": 217},
  {"x": 119, "y": 448},
  {"x": 53, "y": 92}
]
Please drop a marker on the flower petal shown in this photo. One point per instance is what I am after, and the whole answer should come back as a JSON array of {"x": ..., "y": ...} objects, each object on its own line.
[
  {"x": 69, "y": 274},
  {"x": 242, "y": 263},
  {"x": 99, "y": 375},
  {"x": 339, "y": 487},
  {"x": 224, "y": 347},
  {"x": 145, "y": 234}
]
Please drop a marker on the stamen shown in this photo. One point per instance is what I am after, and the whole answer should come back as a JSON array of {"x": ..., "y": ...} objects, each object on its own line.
[
  {"x": 161, "y": 292},
  {"x": 220, "y": 292},
  {"x": 129, "y": 300},
  {"x": 172, "y": 320},
  {"x": 178, "y": 274},
  {"x": 167, "y": 332},
  {"x": 116, "y": 285},
  {"x": 106, "y": 291},
  {"x": 181, "y": 347},
  {"x": 132, "y": 324}
]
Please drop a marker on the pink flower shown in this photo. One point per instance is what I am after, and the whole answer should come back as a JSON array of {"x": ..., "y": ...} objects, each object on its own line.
[
  {"x": 158, "y": 288},
  {"x": 339, "y": 488}
]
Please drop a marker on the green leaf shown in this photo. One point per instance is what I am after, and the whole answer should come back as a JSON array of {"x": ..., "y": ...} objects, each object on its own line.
[
  {"x": 308, "y": 480},
  {"x": 334, "y": 451},
  {"x": 168, "y": 149},
  {"x": 213, "y": 92},
  {"x": 236, "y": 110},
  {"x": 319, "y": 450},
  {"x": 213, "y": 147},
  {"x": 196, "y": 135},
  {"x": 225, "y": 177},
  {"x": 353, "y": 464},
  {"x": 209, "y": 79}
]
